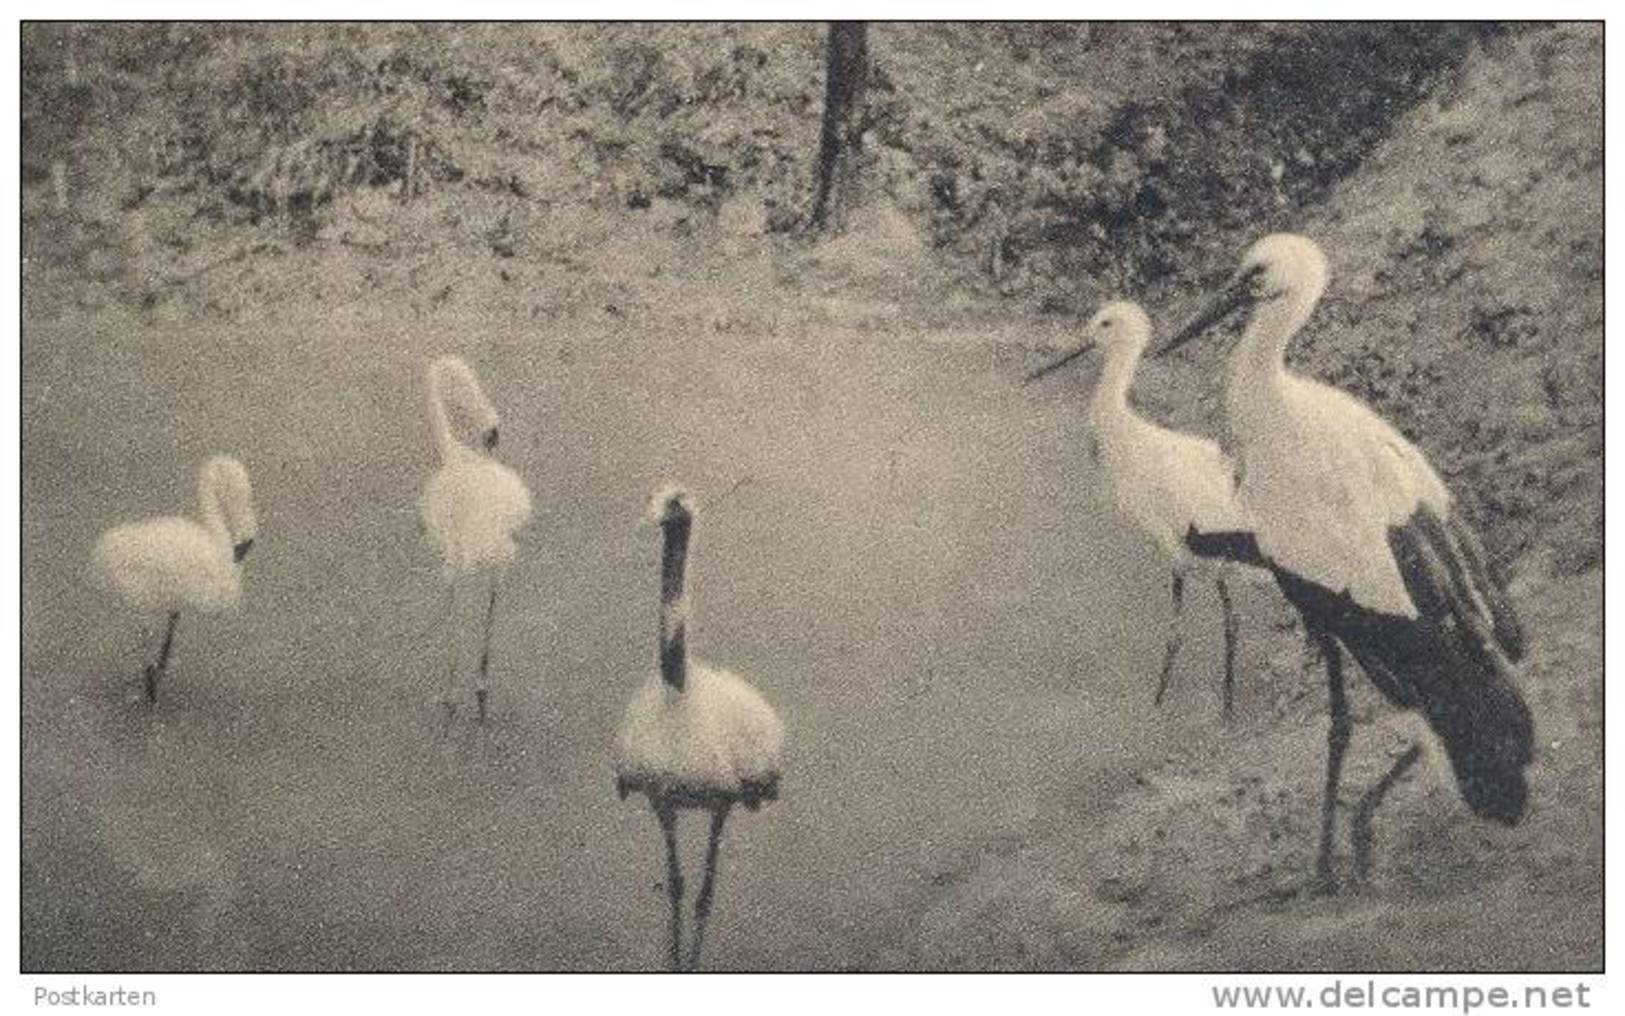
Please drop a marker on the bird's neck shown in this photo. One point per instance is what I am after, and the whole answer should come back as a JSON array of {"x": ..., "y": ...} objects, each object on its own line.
[
  {"x": 214, "y": 517},
  {"x": 673, "y": 607},
  {"x": 1258, "y": 366},
  {"x": 439, "y": 422},
  {"x": 1110, "y": 402}
]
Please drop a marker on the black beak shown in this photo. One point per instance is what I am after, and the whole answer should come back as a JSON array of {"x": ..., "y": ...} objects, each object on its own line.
[
  {"x": 490, "y": 439},
  {"x": 241, "y": 550},
  {"x": 1237, "y": 293},
  {"x": 1058, "y": 364}
]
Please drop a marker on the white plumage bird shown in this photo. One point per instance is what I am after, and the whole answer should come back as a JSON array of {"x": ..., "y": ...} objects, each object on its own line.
[
  {"x": 693, "y": 736},
  {"x": 1365, "y": 540},
  {"x": 1163, "y": 480},
  {"x": 471, "y": 508},
  {"x": 174, "y": 564}
]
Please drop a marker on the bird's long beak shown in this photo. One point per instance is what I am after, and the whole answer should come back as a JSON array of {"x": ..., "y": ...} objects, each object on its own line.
[
  {"x": 490, "y": 440},
  {"x": 1237, "y": 293},
  {"x": 240, "y": 551},
  {"x": 1058, "y": 364}
]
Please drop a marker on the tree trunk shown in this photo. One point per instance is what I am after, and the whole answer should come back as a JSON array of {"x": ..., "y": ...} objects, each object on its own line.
[
  {"x": 846, "y": 71},
  {"x": 59, "y": 166}
]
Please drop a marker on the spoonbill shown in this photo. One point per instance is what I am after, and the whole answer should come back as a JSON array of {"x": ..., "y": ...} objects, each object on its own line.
[
  {"x": 1367, "y": 543},
  {"x": 1163, "y": 480},
  {"x": 172, "y": 563},
  {"x": 693, "y": 736},
  {"x": 471, "y": 508}
]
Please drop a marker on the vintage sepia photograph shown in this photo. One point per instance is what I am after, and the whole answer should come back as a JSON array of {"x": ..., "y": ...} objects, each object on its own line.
[{"x": 811, "y": 496}]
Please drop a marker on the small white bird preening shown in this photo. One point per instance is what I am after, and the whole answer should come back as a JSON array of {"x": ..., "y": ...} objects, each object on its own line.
[
  {"x": 1367, "y": 543},
  {"x": 174, "y": 564},
  {"x": 693, "y": 736},
  {"x": 1163, "y": 480},
  {"x": 471, "y": 508}
]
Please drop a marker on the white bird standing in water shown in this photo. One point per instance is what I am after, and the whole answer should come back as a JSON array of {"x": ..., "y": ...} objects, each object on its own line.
[
  {"x": 693, "y": 736},
  {"x": 1366, "y": 541},
  {"x": 174, "y": 564},
  {"x": 1163, "y": 480},
  {"x": 471, "y": 508}
]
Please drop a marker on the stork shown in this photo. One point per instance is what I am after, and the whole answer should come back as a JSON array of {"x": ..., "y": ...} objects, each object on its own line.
[
  {"x": 470, "y": 508},
  {"x": 1368, "y": 544},
  {"x": 1163, "y": 480},
  {"x": 172, "y": 563},
  {"x": 693, "y": 736}
]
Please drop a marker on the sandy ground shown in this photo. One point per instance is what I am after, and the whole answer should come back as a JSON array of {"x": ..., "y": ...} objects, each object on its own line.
[{"x": 907, "y": 554}]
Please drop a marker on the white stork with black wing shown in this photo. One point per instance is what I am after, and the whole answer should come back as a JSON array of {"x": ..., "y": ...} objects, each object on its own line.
[{"x": 1366, "y": 541}]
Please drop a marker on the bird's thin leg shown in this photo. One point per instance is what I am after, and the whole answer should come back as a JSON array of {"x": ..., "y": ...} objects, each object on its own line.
[
  {"x": 1178, "y": 589},
  {"x": 485, "y": 652},
  {"x": 156, "y": 670},
  {"x": 1360, "y": 830},
  {"x": 667, "y": 815},
  {"x": 448, "y": 696},
  {"x": 1337, "y": 742},
  {"x": 1228, "y": 692},
  {"x": 702, "y": 903}
]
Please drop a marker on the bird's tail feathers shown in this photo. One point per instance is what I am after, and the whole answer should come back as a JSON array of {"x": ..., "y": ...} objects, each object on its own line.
[
  {"x": 1489, "y": 735},
  {"x": 1468, "y": 699},
  {"x": 1467, "y": 695},
  {"x": 1450, "y": 662}
]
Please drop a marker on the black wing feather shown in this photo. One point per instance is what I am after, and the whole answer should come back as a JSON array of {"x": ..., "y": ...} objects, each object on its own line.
[
  {"x": 1441, "y": 663},
  {"x": 1503, "y": 618},
  {"x": 1467, "y": 696}
]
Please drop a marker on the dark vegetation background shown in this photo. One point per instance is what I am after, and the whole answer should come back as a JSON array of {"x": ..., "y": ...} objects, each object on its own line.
[{"x": 249, "y": 237}]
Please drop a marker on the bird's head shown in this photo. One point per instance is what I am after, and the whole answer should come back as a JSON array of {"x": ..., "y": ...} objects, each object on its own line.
[
  {"x": 671, "y": 504},
  {"x": 671, "y": 508},
  {"x": 1283, "y": 270},
  {"x": 224, "y": 480},
  {"x": 1119, "y": 324},
  {"x": 453, "y": 381}
]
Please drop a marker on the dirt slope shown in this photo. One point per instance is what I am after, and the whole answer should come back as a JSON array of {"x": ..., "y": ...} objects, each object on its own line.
[{"x": 1466, "y": 305}]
